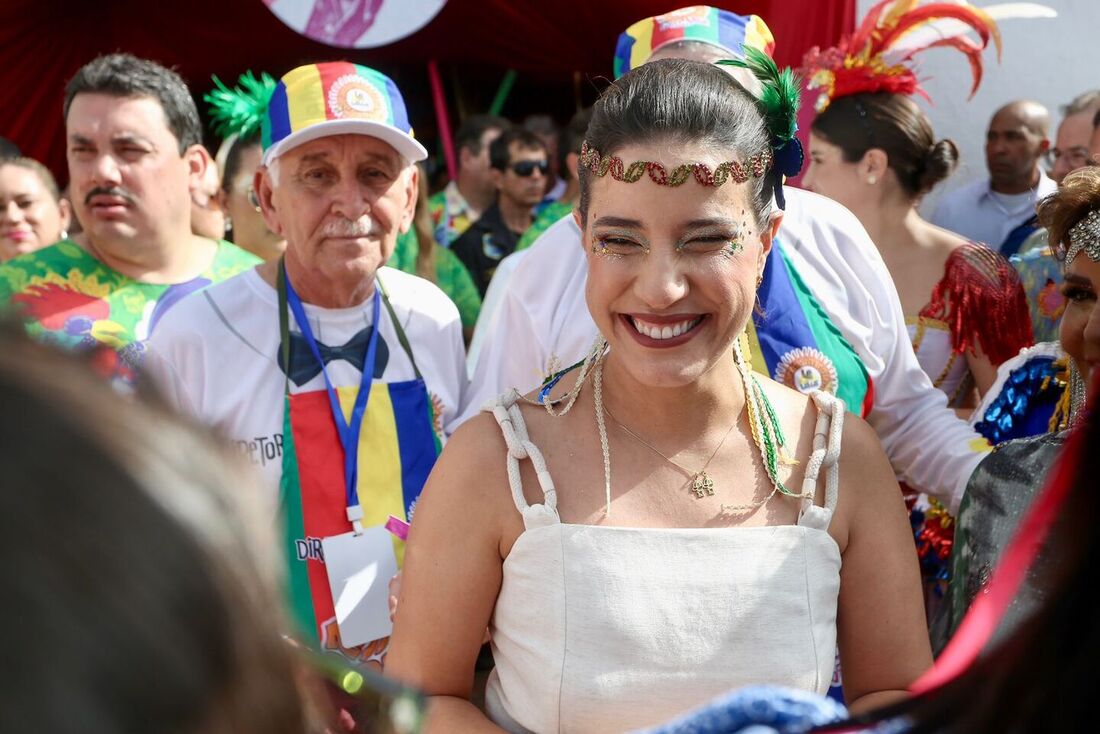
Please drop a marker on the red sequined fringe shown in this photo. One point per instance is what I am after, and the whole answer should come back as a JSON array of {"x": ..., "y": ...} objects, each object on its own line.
[{"x": 982, "y": 300}]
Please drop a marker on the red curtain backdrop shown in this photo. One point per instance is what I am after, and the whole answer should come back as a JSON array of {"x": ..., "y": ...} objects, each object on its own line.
[{"x": 43, "y": 42}]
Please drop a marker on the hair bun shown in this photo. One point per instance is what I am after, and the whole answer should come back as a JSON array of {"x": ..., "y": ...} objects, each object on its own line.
[{"x": 939, "y": 162}]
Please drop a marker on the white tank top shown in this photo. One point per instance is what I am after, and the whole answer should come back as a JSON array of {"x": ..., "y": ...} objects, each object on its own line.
[{"x": 608, "y": 629}]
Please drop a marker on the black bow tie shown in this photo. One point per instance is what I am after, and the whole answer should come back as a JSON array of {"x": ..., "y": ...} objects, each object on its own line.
[{"x": 304, "y": 367}]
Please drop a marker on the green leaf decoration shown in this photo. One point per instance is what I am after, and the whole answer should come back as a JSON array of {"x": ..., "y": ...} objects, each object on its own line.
[
  {"x": 780, "y": 96},
  {"x": 240, "y": 110}
]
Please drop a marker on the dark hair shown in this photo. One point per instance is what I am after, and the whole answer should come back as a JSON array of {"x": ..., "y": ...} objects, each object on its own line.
[
  {"x": 43, "y": 173},
  {"x": 137, "y": 587},
  {"x": 500, "y": 149},
  {"x": 572, "y": 136},
  {"x": 541, "y": 124},
  {"x": 894, "y": 124},
  {"x": 233, "y": 158},
  {"x": 680, "y": 101},
  {"x": 8, "y": 149},
  {"x": 123, "y": 75},
  {"x": 1076, "y": 196},
  {"x": 472, "y": 129}
]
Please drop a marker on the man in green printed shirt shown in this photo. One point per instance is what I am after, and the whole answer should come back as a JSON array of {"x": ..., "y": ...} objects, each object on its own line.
[
  {"x": 464, "y": 200},
  {"x": 135, "y": 158}
]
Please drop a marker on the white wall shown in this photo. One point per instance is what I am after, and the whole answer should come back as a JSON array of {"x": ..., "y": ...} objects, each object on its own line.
[{"x": 1048, "y": 60}]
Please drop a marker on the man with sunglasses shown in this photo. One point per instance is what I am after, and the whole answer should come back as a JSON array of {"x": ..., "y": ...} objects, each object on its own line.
[{"x": 519, "y": 168}]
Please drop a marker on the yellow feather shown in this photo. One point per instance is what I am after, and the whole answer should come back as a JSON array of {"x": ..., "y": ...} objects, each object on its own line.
[
  {"x": 991, "y": 24},
  {"x": 900, "y": 8}
]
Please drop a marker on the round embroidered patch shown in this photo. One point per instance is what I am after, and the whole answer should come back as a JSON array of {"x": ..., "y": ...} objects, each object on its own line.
[
  {"x": 807, "y": 370},
  {"x": 352, "y": 96}
]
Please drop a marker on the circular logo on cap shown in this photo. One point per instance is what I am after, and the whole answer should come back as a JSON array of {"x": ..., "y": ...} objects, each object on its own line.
[
  {"x": 352, "y": 96},
  {"x": 807, "y": 370}
]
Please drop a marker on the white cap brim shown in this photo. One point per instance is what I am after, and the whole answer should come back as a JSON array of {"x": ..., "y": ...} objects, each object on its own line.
[{"x": 403, "y": 143}]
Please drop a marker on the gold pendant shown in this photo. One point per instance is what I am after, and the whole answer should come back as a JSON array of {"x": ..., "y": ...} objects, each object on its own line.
[{"x": 702, "y": 486}]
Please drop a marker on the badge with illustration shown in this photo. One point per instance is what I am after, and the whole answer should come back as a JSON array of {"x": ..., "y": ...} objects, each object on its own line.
[
  {"x": 807, "y": 370},
  {"x": 355, "y": 23}
]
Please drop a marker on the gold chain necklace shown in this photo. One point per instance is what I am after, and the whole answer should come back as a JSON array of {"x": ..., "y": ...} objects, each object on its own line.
[{"x": 701, "y": 484}]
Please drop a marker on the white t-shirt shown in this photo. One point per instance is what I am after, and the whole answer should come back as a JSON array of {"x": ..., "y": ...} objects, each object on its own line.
[
  {"x": 498, "y": 286},
  {"x": 543, "y": 316},
  {"x": 215, "y": 357},
  {"x": 982, "y": 215}
]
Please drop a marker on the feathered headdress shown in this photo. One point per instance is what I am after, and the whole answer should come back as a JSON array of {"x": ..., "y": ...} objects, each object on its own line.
[
  {"x": 779, "y": 100},
  {"x": 878, "y": 57},
  {"x": 239, "y": 111}
]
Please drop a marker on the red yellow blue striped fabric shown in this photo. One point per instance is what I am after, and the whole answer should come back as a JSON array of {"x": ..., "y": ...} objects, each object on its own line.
[
  {"x": 696, "y": 23},
  {"x": 395, "y": 457},
  {"x": 322, "y": 92}
]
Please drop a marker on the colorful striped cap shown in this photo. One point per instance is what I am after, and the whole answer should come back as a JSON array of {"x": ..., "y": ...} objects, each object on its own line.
[
  {"x": 702, "y": 23},
  {"x": 336, "y": 98}
]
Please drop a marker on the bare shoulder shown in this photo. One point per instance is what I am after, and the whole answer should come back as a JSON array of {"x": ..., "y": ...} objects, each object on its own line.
[
  {"x": 470, "y": 477},
  {"x": 869, "y": 489},
  {"x": 476, "y": 450},
  {"x": 795, "y": 411},
  {"x": 860, "y": 448}
]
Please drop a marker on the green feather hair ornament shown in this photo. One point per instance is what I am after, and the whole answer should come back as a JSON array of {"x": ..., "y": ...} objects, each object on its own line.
[
  {"x": 779, "y": 100},
  {"x": 240, "y": 111}
]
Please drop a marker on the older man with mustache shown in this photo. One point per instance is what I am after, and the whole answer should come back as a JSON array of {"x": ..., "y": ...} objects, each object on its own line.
[
  {"x": 337, "y": 377},
  {"x": 133, "y": 141}
]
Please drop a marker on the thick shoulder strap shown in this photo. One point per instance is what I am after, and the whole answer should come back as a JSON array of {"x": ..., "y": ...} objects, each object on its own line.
[
  {"x": 512, "y": 426},
  {"x": 825, "y": 455}
]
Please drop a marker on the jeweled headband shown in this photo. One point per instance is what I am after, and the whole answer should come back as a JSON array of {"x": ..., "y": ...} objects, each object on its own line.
[
  {"x": 1085, "y": 236},
  {"x": 601, "y": 165}
]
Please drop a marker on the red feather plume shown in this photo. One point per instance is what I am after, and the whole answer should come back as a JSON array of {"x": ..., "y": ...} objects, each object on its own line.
[{"x": 878, "y": 56}]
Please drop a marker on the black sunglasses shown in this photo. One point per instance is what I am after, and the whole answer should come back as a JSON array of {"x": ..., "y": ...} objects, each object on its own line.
[{"x": 527, "y": 168}]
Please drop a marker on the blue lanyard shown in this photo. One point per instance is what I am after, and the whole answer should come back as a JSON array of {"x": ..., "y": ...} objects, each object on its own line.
[{"x": 349, "y": 433}]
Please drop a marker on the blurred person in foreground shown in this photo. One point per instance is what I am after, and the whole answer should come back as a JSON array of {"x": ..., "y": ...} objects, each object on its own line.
[
  {"x": 32, "y": 212},
  {"x": 160, "y": 610},
  {"x": 139, "y": 573},
  {"x": 338, "y": 377},
  {"x": 133, "y": 143}
]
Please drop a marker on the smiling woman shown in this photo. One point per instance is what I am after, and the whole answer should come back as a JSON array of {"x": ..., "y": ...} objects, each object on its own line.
[
  {"x": 683, "y": 526},
  {"x": 32, "y": 212}
]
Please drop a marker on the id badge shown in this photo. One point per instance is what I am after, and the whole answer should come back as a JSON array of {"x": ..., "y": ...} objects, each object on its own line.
[{"x": 359, "y": 570}]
